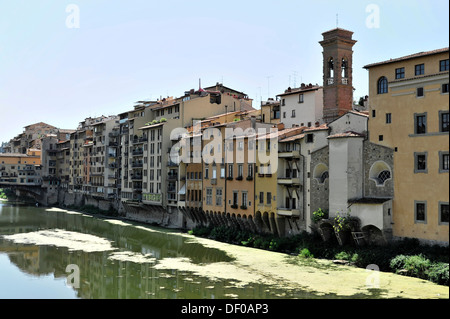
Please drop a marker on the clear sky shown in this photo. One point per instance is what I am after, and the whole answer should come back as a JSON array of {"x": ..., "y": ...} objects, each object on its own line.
[{"x": 128, "y": 50}]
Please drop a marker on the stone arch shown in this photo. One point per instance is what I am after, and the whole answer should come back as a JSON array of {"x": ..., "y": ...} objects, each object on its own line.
[
  {"x": 380, "y": 172},
  {"x": 325, "y": 229},
  {"x": 320, "y": 173},
  {"x": 373, "y": 235}
]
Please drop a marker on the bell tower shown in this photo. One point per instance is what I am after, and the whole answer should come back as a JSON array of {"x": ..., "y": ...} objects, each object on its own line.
[{"x": 337, "y": 73}]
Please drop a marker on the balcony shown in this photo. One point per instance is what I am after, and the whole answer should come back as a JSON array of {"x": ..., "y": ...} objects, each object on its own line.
[
  {"x": 136, "y": 177},
  {"x": 288, "y": 180},
  {"x": 153, "y": 199},
  {"x": 137, "y": 165},
  {"x": 288, "y": 212},
  {"x": 140, "y": 140},
  {"x": 138, "y": 152},
  {"x": 172, "y": 177},
  {"x": 289, "y": 154},
  {"x": 113, "y": 165}
]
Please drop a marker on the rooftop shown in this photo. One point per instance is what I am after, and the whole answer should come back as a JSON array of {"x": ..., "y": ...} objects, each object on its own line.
[
  {"x": 303, "y": 88},
  {"x": 408, "y": 57},
  {"x": 346, "y": 134}
]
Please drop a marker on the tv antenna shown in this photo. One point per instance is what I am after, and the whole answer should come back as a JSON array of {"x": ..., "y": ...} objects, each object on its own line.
[{"x": 268, "y": 85}]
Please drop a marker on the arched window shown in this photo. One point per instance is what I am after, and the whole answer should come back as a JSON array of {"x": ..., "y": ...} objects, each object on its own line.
[
  {"x": 380, "y": 172},
  {"x": 344, "y": 68},
  {"x": 323, "y": 177},
  {"x": 383, "y": 176},
  {"x": 320, "y": 173},
  {"x": 331, "y": 68},
  {"x": 382, "y": 86}
]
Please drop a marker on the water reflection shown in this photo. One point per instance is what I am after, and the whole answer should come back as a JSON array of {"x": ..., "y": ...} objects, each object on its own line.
[{"x": 105, "y": 275}]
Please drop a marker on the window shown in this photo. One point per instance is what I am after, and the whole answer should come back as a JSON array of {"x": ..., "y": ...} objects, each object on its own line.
[
  {"x": 420, "y": 212},
  {"x": 219, "y": 196},
  {"x": 209, "y": 196},
  {"x": 420, "y": 162},
  {"x": 443, "y": 213},
  {"x": 443, "y": 121},
  {"x": 235, "y": 198},
  {"x": 400, "y": 73},
  {"x": 283, "y": 102},
  {"x": 374, "y": 113},
  {"x": 380, "y": 137},
  {"x": 300, "y": 98},
  {"x": 222, "y": 172},
  {"x": 443, "y": 65},
  {"x": 261, "y": 197},
  {"x": 293, "y": 113},
  {"x": 206, "y": 172},
  {"x": 309, "y": 138},
  {"x": 214, "y": 172},
  {"x": 444, "y": 88},
  {"x": 284, "y": 115},
  {"x": 240, "y": 170},
  {"x": 244, "y": 199},
  {"x": 383, "y": 176},
  {"x": 382, "y": 86},
  {"x": 420, "y": 123},
  {"x": 388, "y": 118},
  {"x": 269, "y": 198},
  {"x": 419, "y": 92},
  {"x": 250, "y": 170},
  {"x": 230, "y": 170},
  {"x": 443, "y": 162},
  {"x": 323, "y": 177},
  {"x": 419, "y": 69}
]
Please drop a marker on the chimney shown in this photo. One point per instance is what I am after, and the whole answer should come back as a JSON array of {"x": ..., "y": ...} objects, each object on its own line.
[{"x": 253, "y": 121}]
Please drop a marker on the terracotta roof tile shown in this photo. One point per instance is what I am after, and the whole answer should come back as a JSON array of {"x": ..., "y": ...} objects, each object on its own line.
[{"x": 407, "y": 57}]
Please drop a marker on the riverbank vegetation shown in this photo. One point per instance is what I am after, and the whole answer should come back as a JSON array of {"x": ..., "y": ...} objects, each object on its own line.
[
  {"x": 5, "y": 193},
  {"x": 406, "y": 257},
  {"x": 2, "y": 194}
]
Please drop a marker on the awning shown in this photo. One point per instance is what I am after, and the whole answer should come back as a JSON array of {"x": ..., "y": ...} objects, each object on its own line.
[{"x": 182, "y": 190}]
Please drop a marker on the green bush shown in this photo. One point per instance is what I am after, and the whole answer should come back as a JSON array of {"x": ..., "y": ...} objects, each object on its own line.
[
  {"x": 318, "y": 215},
  {"x": 305, "y": 253},
  {"x": 439, "y": 273},
  {"x": 342, "y": 255},
  {"x": 421, "y": 267}
]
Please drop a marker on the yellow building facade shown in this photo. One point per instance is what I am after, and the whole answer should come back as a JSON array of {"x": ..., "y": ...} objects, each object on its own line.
[{"x": 409, "y": 112}]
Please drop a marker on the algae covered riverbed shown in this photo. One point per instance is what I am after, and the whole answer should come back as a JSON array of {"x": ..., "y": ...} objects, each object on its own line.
[{"x": 123, "y": 260}]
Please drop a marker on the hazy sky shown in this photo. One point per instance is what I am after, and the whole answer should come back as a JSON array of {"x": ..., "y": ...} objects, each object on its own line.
[{"x": 62, "y": 61}]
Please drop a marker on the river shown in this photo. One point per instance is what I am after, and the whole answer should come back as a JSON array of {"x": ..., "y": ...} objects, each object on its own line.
[{"x": 54, "y": 253}]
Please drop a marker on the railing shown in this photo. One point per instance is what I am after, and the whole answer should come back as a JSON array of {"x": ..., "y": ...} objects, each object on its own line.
[{"x": 140, "y": 140}]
